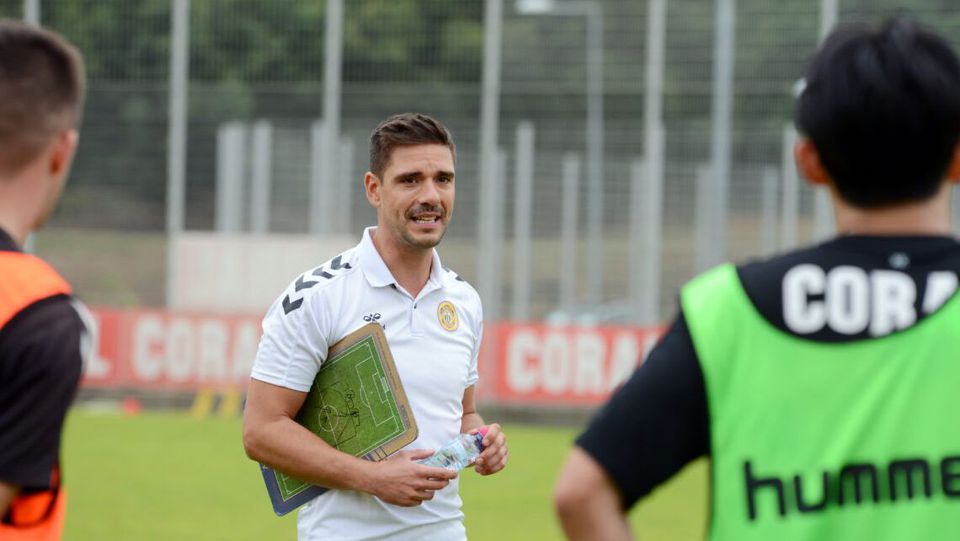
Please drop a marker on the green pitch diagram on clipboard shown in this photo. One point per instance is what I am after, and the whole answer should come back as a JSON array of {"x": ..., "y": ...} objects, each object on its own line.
[{"x": 356, "y": 404}]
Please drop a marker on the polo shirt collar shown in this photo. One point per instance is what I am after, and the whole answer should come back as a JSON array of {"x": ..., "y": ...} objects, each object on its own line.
[{"x": 376, "y": 271}]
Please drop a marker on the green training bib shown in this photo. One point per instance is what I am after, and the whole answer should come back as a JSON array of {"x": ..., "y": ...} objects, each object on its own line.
[{"x": 818, "y": 441}]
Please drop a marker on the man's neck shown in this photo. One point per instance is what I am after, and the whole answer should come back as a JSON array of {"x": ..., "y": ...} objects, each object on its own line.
[
  {"x": 16, "y": 217},
  {"x": 928, "y": 218},
  {"x": 410, "y": 268},
  {"x": 23, "y": 199}
]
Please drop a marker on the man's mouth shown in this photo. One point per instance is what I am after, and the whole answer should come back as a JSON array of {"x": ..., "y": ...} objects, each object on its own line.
[
  {"x": 426, "y": 215},
  {"x": 426, "y": 219}
]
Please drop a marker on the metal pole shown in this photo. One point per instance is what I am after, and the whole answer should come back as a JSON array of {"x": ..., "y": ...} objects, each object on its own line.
[
  {"x": 568, "y": 232},
  {"x": 646, "y": 217},
  {"x": 318, "y": 219},
  {"x": 768, "y": 217},
  {"x": 261, "y": 171},
  {"x": 822, "y": 208},
  {"x": 489, "y": 130},
  {"x": 177, "y": 133},
  {"x": 595, "y": 133},
  {"x": 639, "y": 170},
  {"x": 652, "y": 208},
  {"x": 31, "y": 14},
  {"x": 31, "y": 11},
  {"x": 332, "y": 88},
  {"x": 705, "y": 234},
  {"x": 789, "y": 215},
  {"x": 493, "y": 299},
  {"x": 345, "y": 183},
  {"x": 231, "y": 159},
  {"x": 829, "y": 12},
  {"x": 522, "y": 222},
  {"x": 720, "y": 133},
  {"x": 177, "y": 127},
  {"x": 646, "y": 229}
]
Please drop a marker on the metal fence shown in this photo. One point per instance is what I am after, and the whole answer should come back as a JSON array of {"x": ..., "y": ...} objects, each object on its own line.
[{"x": 607, "y": 149}]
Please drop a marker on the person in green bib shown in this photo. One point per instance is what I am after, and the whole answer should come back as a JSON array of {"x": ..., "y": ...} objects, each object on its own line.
[{"x": 823, "y": 384}]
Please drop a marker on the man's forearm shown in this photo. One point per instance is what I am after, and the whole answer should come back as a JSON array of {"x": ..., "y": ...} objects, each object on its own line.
[
  {"x": 470, "y": 421},
  {"x": 287, "y": 446},
  {"x": 587, "y": 502},
  {"x": 7, "y": 493},
  {"x": 593, "y": 519}
]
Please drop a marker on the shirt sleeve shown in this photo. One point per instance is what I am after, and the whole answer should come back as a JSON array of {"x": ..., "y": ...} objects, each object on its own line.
[
  {"x": 656, "y": 423},
  {"x": 473, "y": 374},
  {"x": 40, "y": 363},
  {"x": 293, "y": 344}
]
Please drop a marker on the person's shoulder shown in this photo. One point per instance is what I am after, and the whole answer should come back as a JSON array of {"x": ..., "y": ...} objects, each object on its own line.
[
  {"x": 313, "y": 285},
  {"x": 456, "y": 284},
  {"x": 779, "y": 263},
  {"x": 50, "y": 313},
  {"x": 55, "y": 327}
]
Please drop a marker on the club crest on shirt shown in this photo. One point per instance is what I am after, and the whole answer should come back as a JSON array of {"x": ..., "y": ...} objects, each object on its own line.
[{"x": 448, "y": 316}]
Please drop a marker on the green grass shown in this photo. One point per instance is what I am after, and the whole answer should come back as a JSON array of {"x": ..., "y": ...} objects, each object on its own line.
[{"x": 163, "y": 476}]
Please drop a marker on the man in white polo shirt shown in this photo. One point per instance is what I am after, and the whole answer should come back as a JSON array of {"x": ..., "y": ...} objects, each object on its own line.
[{"x": 433, "y": 322}]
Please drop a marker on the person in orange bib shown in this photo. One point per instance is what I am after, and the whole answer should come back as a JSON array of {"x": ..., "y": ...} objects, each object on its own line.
[{"x": 44, "y": 332}]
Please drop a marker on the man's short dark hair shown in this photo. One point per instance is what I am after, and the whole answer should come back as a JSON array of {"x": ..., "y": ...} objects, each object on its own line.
[
  {"x": 41, "y": 90},
  {"x": 882, "y": 107},
  {"x": 405, "y": 129}
]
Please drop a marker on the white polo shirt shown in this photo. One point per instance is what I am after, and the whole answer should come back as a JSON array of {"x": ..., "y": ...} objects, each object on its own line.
[{"x": 435, "y": 340}]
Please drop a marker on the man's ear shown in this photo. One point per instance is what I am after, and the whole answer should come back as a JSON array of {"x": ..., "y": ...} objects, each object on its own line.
[
  {"x": 61, "y": 152},
  {"x": 809, "y": 164},
  {"x": 372, "y": 185},
  {"x": 953, "y": 170}
]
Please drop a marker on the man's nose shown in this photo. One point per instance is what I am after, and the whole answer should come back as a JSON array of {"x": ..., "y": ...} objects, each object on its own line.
[{"x": 429, "y": 193}]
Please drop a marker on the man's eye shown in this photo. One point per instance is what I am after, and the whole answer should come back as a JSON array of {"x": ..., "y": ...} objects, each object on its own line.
[
  {"x": 408, "y": 180},
  {"x": 445, "y": 179}
]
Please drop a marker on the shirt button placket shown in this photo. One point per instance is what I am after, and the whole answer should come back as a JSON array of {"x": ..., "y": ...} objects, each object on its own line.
[{"x": 413, "y": 317}]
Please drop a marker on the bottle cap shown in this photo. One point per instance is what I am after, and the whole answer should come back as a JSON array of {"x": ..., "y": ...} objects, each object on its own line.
[{"x": 483, "y": 431}]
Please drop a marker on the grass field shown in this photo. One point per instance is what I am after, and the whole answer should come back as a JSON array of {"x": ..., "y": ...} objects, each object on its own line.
[{"x": 168, "y": 476}]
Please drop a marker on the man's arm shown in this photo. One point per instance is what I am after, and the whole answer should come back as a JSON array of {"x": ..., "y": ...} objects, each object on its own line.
[
  {"x": 587, "y": 502},
  {"x": 494, "y": 455},
  {"x": 41, "y": 350},
  {"x": 7, "y": 492},
  {"x": 649, "y": 430},
  {"x": 271, "y": 436}
]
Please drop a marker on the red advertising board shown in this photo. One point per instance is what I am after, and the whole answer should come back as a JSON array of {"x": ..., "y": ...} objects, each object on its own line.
[
  {"x": 166, "y": 350},
  {"x": 542, "y": 364},
  {"x": 522, "y": 363}
]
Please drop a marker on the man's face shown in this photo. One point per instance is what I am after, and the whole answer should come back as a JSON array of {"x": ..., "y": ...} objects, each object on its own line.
[{"x": 414, "y": 199}]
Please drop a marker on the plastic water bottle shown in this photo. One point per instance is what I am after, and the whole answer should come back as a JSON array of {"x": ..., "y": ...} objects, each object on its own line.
[{"x": 459, "y": 453}]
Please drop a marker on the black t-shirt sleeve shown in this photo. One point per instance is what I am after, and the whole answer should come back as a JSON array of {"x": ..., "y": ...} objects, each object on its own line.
[
  {"x": 656, "y": 423},
  {"x": 40, "y": 365}
]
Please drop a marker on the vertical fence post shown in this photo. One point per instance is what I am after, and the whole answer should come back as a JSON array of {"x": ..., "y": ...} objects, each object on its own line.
[
  {"x": 489, "y": 131},
  {"x": 319, "y": 219},
  {"x": 332, "y": 89},
  {"x": 768, "y": 217},
  {"x": 231, "y": 160},
  {"x": 345, "y": 185},
  {"x": 790, "y": 212},
  {"x": 720, "y": 146},
  {"x": 705, "y": 234},
  {"x": 261, "y": 165},
  {"x": 568, "y": 231},
  {"x": 31, "y": 11},
  {"x": 522, "y": 222},
  {"x": 177, "y": 133}
]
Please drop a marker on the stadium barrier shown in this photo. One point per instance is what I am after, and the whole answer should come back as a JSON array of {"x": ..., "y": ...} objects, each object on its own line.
[{"x": 522, "y": 364}]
